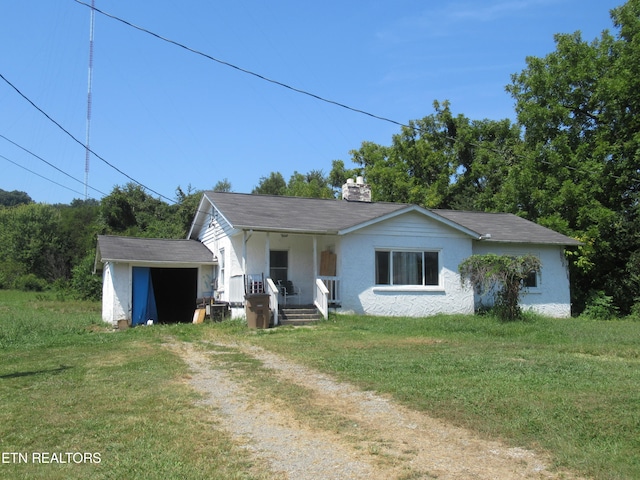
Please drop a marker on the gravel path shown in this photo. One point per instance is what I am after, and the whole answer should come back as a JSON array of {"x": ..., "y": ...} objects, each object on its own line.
[{"x": 394, "y": 442}]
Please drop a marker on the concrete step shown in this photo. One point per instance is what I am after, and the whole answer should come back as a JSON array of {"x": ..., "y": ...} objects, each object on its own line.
[{"x": 299, "y": 315}]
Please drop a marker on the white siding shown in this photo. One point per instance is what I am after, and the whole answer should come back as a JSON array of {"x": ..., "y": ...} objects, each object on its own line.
[
  {"x": 552, "y": 295},
  {"x": 116, "y": 292},
  {"x": 356, "y": 265},
  {"x": 215, "y": 234},
  {"x": 356, "y": 258}
]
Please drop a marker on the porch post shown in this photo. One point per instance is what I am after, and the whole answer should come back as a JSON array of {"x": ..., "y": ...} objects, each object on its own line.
[
  {"x": 267, "y": 257},
  {"x": 315, "y": 258},
  {"x": 244, "y": 252}
]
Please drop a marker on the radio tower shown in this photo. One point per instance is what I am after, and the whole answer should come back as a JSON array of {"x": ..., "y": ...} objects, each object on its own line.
[{"x": 90, "y": 81}]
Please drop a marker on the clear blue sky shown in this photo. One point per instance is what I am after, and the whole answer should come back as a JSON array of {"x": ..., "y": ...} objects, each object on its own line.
[{"x": 168, "y": 118}]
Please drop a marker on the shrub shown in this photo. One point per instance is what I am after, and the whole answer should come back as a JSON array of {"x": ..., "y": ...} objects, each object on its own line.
[
  {"x": 86, "y": 284},
  {"x": 504, "y": 275},
  {"x": 600, "y": 306},
  {"x": 30, "y": 283},
  {"x": 635, "y": 310}
]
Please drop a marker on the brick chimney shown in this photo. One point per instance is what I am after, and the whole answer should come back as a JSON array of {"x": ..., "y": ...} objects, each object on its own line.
[{"x": 357, "y": 191}]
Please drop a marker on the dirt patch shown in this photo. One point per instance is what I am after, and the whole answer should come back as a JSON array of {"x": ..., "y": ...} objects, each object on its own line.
[{"x": 394, "y": 442}]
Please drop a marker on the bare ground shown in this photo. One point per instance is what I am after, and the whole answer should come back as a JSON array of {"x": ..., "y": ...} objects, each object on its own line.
[{"x": 392, "y": 442}]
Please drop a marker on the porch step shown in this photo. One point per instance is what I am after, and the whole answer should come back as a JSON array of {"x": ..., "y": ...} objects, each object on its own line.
[{"x": 299, "y": 315}]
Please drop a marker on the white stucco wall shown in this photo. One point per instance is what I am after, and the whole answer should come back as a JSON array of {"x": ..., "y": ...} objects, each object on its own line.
[
  {"x": 552, "y": 296},
  {"x": 356, "y": 258},
  {"x": 116, "y": 292},
  {"x": 356, "y": 265}
]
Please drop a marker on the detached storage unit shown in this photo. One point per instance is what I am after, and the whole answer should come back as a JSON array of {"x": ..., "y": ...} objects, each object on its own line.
[{"x": 152, "y": 279}]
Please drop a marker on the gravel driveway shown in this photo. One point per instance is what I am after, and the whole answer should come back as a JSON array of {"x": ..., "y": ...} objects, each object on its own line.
[{"x": 398, "y": 443}]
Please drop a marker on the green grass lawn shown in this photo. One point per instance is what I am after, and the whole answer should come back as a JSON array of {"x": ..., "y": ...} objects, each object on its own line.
[
  {"x": 569, "y": 387},
  {"x": 68, "y": 384}
]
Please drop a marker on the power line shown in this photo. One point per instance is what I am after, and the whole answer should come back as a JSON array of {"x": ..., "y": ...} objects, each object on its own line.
[
  {"x": 49, "y": 163},
  {"x": 41, "y": 176},
  {"x": 79, "y": 142},
  {"x": 243, "y": 70},
  {"x": 411, "y": 126}
]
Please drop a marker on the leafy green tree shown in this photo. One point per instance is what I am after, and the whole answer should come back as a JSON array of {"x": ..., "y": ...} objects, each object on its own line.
[
  {"x": 30, "y": 243},
  {"x": 579, "y": 172},
  {"x": 274, "y": 184},
  {"x": 11, "y": 199},
  {"x": 84, "y": 282},
  {"x": 222, "y": 186},
  {"x": 441, "y": 161},
  {"x": 185, "y": 208},
  {"x": 339, "y": 175},
  {"x": 502, "y": 275},
  {"x": 79, "y": 227},
  {"x": 131, "y": 211},
  {"x": 311, "y": 185}
]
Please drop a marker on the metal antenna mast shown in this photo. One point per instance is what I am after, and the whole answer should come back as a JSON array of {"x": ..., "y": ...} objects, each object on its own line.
[{"x": 90, "y": 81}]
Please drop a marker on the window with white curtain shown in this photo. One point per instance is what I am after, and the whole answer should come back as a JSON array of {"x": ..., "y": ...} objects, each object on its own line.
[{"x": 398, "y": 267}]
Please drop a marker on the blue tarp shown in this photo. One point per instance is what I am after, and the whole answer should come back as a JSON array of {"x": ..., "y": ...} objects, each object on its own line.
[{"x": 144, "y": 300}]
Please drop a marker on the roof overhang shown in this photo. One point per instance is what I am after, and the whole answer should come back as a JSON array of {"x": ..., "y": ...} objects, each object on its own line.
[{"x": 156, "y": 252}]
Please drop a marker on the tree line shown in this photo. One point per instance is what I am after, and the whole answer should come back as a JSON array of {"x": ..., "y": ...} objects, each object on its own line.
[{"x": 571, "y": 162}]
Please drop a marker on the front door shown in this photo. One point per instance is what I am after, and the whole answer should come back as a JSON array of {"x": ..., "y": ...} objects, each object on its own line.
[{"x": 279, "y": 266}]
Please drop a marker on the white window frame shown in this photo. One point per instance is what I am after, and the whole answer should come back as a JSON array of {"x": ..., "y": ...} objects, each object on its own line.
[
  {"x": 408, "y": 287},
  {"x": 221, "y": 270}
]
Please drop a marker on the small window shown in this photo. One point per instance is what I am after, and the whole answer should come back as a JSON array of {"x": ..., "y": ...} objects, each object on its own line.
[
  {"x": 407, "y": 268},
  {"x": 531, "y": 281},
  {"x": 221, "y": 270}
]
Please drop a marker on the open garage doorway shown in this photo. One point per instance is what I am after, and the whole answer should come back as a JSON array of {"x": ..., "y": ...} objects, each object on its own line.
[
  {"x": 171, "y": 291},
  {"x": 176, "y": 290}
]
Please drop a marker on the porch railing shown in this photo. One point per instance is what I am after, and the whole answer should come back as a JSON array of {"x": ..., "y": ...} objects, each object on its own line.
[
  {"x": 333, "y": 285},
  {"x": 321, "y": 298},
  {"x": 273, "y": 292}
]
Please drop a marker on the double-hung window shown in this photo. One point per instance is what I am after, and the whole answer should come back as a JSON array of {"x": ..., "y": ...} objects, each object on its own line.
[{"x": 397, "y": 267}]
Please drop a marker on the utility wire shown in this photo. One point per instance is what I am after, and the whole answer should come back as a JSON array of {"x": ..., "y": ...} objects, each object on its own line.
[
  {"x": 41, "y": 176},
  {"x": 79, "y": 142},
  {"x": 48, "y": 163},
  {"x": 411, "y": 125},
  {"x": 243, "y": 70}
]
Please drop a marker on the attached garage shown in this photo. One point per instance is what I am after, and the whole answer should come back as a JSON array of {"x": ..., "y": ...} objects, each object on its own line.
[{"x": 151, "y": 279}]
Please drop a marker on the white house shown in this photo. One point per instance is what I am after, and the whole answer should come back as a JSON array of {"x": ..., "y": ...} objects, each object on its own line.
[
  {"x": 351, "y": 255},
  {"x": 368, "y": 257}
]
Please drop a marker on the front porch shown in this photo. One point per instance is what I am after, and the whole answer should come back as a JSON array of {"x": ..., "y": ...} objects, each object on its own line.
[
  {"x": 294, "y": 269},
  {"x": 285, "y": 303}
]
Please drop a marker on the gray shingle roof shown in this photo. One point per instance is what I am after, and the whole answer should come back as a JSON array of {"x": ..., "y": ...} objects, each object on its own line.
[
  {"x": 157, "y": 250},
  {"x": 506, "y": 227},
  {"x": 311, "y": 215}
]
